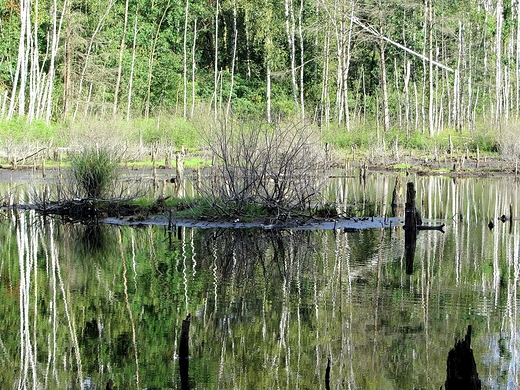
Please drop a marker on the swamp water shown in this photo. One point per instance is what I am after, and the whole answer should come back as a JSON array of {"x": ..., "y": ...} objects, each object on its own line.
[{"x": 98, "y": 306}]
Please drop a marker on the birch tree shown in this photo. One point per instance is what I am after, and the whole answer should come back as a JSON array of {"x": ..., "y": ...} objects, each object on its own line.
[{"x": 120, "y": 60}]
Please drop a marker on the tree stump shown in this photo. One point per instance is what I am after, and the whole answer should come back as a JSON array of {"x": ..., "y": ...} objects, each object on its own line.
[{"x": 410, "y": 227}]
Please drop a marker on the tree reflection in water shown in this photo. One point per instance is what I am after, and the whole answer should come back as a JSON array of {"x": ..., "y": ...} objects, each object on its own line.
[{"x": 84, "y": 306}]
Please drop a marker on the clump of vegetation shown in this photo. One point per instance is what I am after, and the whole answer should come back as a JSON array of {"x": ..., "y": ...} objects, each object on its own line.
[
  {"x": 279, "y": 168},
  {"x": 93, "y": 172}
]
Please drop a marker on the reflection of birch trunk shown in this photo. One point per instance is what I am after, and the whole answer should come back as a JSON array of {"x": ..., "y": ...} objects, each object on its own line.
[
  {"x": 125, "y": 287},
  {"x": 349, "y": 358},
  {"x": 70, "y": 319},
  {"x": 54, "y": 267},
  {"x": 193, "y": 253},
  {"x": 377, "y": 299},
  {"x": 512, "y": 299},
  {"x": 215, "y": 280},
  {"x": 298, "y": 317},
  {"x": 184, "y": 268},
  {"x": 24, "y": 257}
]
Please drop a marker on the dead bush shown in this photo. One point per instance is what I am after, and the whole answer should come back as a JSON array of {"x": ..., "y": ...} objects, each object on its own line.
[{"x": 280, "y": 167}]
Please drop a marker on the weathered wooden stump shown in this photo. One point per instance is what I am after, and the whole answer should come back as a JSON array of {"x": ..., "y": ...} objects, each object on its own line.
[
  {"x": 412, "y": 224},
  {"x": 461, "y": 370}
]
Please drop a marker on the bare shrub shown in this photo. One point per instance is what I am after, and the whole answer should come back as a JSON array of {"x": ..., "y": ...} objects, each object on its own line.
[
  {"x": 279, "y": 167},
  {"x": 508, "y": 141}
]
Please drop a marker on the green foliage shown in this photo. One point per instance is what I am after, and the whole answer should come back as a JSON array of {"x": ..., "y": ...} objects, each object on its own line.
[
  {"x": 20, "y": 130},
  {"x": 94, "y": 171},
  {"x": 360, "y": 137},
  {"x": 169, "y": 130}
]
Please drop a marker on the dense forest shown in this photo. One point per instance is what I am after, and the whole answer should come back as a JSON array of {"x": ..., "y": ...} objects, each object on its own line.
[{"x": 416, "y": 66}]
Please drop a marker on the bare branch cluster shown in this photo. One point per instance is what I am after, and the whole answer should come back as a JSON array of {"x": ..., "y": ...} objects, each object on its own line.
[{"x": 280, "y": 168}]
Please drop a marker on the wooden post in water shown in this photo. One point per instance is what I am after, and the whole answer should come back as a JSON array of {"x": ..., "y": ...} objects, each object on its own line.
[
  {"x": 154, "y": 167},
  {"x": 461, "y": 369},
  {"x": 179, "y": 167},
  {"x": 184, "y": 362},
  {"x": 410, "y": 227}
]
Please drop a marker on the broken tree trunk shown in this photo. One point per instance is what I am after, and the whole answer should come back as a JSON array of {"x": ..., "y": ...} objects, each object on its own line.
[{"x": 461, "y": 370}]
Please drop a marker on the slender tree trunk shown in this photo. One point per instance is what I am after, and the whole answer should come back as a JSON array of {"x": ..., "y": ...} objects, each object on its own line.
[
  {"x": 56, "y": 32},
  {"x": 346, "y": 67},
  {"x": 67, "y": 75},
  {"x": 324, "y": 112},
  {"x": 132, "y": 68},
  {"x": 35, "y": 76},
  {"x": 517, "y": 63},
  {"x": 498, "y": 63},
  {"x": 185, "y": 61},
  {"x": 193, "y": 68},
  {"x": 120, "y": 61},
  {"x": 20, "y": 75},
  {"x": 151, "y": 60},
  {"x": 302, "y": 60},
  {"x": 431, "y": 119},
  {"x": 87, "y": 57},
  {"x": 457, "y": 95},
  {"x": 407, "y": 100},
  {"x": 384, "y": 80},
  {"x": 268, "y": 59},
  {"x": 216, "y": 72},
  {"x": 268, "y": 92},
  {"x": 384, "y": 87},
  {"x": 233, "y": 60},
  {"x": 291, "y": 40},
  {"x": 247, "y": 23}
]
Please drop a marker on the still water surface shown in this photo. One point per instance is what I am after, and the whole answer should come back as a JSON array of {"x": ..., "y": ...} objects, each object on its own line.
[{"x": 82, "y": 306}]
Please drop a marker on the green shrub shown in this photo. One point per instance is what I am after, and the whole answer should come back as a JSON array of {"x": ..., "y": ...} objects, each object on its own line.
[{"x": 94, "y": 172}]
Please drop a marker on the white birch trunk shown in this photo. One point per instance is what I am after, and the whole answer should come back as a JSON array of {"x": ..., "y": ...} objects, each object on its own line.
[
  {"x": 290, "y": 27},
  {"x": 193, "y": 68},
  {"x": 120, "y": 61},
  {"x": 185, "y": 61},
  {"x": 302, "y": 60},
  {"x": 216, "y": 72},
  {"x": 233, "y": 60},
  {"x": 132, "y": 68},
  {"x": 498, "y": 63}
]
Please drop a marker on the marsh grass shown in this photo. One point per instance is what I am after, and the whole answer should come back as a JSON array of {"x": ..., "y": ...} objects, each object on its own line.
[{"x": 93, "y": 172}]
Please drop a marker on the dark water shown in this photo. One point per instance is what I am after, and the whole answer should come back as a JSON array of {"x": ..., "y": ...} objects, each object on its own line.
[{"x": 84, "y": 305}]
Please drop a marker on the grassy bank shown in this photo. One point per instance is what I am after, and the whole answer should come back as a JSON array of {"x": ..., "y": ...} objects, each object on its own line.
[{"x": 138, "y": 140}]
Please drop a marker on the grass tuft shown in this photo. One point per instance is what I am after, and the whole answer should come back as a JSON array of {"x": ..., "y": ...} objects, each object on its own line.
[{"x": 94, "y": 171}]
